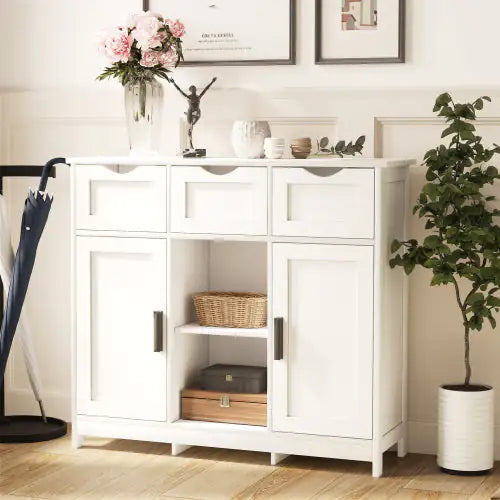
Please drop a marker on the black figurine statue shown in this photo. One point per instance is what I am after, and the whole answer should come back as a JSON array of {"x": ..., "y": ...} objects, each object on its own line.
[{"x": 193, "y": 115}]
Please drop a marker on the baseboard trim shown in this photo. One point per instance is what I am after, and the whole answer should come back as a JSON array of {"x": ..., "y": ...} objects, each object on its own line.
[{"x": 22, "y": 402}]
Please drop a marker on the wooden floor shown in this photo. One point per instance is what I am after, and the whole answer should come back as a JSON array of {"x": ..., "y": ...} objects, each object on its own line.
[{"x": 124, "y": 469}]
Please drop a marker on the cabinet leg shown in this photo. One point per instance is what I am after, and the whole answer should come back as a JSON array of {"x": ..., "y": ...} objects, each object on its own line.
[
  {"x": 276, "y": 458},
  {"x": 378, "y": 465},
  {"x": 177, "y": 449},
  {"x": 76, "y": 439},
  {"x": 402, "y": 448}
]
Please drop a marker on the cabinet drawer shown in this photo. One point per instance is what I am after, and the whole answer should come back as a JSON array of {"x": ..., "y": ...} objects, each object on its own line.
[
  {"x": 324, "y": 202},
  {"x": 121, "y": 198},
  {"x": 218, "y": 201}
]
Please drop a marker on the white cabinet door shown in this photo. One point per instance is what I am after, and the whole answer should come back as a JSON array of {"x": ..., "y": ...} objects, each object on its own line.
[
  {"x": 121, "y": 198},
  {"x": 120, "y": 327},
  {"x": 323, "y": 383},
  {"x": 231, "y": 203},
  {"x": 324, "y": 202}
]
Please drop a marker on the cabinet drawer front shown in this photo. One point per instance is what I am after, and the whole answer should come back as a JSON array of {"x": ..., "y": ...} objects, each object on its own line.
[
  {"x": 121, "y": 198},
  {"x": 340, "y": 205},
  {"x": 231, "y": 203}
]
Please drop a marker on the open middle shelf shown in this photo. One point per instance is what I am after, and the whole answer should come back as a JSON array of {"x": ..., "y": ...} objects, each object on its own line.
[
  {"x": 227, "y": 266},
  {"x": 196, "y": 329}
]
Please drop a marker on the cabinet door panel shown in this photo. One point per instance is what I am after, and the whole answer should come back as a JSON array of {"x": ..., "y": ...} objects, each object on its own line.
[
  {"x": 323, "y": 385},
  {"x": 120, "y": 284}
]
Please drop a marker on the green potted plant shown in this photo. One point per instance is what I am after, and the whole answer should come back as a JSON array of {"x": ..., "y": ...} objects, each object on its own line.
[{"x": 463, "y": 251}]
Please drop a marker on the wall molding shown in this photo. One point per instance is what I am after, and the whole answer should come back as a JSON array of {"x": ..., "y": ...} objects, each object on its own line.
[{"x": 381, "y": 122}]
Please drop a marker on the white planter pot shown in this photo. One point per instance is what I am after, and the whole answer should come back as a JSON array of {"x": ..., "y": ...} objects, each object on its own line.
[
  {"x": 248, "y": 138},
  {"x": 466, "y": 430}
]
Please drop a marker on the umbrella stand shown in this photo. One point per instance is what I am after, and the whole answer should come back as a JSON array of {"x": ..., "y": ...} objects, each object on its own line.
[{"x": 25, "y": 428}]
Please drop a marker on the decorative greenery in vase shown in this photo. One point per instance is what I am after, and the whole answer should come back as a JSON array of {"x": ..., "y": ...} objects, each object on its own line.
[
  {"x": 463, "y": 248},
  {"x": 150, "y": 45}
]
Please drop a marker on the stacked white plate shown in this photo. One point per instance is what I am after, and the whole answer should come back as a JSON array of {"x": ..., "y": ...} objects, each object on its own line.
[{"x": 274, "y": 147}]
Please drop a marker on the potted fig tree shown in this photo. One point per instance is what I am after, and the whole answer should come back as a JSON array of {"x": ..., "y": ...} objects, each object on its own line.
[{"x": 462, "y": 250}]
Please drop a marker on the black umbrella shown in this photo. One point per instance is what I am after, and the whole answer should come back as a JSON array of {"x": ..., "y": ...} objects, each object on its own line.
[{"x": 36, "y": 212}]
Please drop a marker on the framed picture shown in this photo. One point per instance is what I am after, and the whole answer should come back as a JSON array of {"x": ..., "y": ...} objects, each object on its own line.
[
  {"x": 234, "y": 32},
  {"x": 360, "y": 31}
]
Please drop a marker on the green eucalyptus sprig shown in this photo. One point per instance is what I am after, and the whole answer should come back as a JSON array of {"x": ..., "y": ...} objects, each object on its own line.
[
  {"x": 463, "y": 248},
  {"x": 340, "y": 149}
]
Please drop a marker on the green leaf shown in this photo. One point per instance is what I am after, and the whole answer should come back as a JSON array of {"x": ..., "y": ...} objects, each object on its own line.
[
  {"x": 408, "y": 267},
  {"x": 493, "y": 301},
  {"x": 361, "y": 140},
  {"x": 340, "y": 146},
  {"x": 443, "y": 99},
  {"x": 492, "y": 171},
  {"x": 452, "y": 129},
  {"x": 432, "y": 241},
  {"x": 430, "y": 175},
  {"x": 467, "y": 135},
  {"x": 323, "y": 143},
  {"x": 475, "y": 298},
  {"x": 395, "y": 246}
]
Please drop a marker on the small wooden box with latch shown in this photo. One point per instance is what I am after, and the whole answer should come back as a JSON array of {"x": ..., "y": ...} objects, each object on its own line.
[{"x": 233, "y": 408}]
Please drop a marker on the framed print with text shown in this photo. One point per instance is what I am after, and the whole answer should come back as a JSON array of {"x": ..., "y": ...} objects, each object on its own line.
[
  {"x": 360, "y": 31},
  {"x": 233, "y": 32}
]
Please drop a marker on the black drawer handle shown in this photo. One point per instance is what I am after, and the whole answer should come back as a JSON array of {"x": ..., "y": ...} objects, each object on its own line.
[
  {"x": 278, "y": 339},
  {"x": 158, "y": 331}
]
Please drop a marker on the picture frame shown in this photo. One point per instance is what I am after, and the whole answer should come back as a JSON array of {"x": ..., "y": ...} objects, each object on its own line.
[
  {"x": 394, "y": 48},
  {"x": 288, "y": 58}
]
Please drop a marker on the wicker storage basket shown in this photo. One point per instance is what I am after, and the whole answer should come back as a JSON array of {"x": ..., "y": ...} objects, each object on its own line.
[{"x": 231, "y": 309}]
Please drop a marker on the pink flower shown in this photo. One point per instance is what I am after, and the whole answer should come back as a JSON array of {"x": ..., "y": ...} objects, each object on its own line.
[
  {"x": 168, "y": 59},
  {"x": 146, "y": 22},
  {"x": 149, "y": 59},
  {"x": 146, "y": 42},
  {"x": 176, "y": 27},
  {"x": 116, "y": 45}
]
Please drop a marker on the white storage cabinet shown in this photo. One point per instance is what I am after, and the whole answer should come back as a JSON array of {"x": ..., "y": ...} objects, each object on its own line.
[{"x": 313, "y": 234}]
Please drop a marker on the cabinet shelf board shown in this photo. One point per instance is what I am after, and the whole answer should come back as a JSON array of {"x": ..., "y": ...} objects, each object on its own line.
[{"x": 195, "y": 328}]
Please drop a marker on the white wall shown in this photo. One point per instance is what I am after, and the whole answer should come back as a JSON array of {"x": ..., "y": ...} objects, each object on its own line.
[
  {"x": 51, "y": 43},
  {"x": 51, "y": 106}
]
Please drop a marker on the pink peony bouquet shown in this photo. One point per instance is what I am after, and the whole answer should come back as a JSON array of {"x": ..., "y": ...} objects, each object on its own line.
[{"x": 150, "y": 45}]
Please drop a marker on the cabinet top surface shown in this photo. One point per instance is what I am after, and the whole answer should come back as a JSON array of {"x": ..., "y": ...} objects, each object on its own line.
[{"x": 238, "y": 162}]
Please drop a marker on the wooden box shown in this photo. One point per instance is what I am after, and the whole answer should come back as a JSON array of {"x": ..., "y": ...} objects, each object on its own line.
[{"x": 234, "y": 408}]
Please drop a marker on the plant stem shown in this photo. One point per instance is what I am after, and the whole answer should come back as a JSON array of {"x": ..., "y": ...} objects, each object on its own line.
[
  {"x": 463, "y": 306},
  {"x": 468, "y": 371},
  {"x": 142, "y": 98}
]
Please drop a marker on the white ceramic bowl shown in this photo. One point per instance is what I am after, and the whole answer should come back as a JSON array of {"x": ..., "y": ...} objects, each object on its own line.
[{"x": 275, "y": 141}]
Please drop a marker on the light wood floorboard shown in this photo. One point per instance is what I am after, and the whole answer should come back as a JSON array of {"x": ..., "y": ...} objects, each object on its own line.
[{"x": 118, "y": 469}]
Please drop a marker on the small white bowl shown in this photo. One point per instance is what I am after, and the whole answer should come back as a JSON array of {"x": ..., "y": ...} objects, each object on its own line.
[
  {"x": 274, "y": 141},
  {"x": 274, "y": 156}
]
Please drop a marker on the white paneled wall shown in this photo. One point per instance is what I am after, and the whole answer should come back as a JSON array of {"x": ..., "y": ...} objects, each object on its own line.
[{"x": 39, "y": 125}]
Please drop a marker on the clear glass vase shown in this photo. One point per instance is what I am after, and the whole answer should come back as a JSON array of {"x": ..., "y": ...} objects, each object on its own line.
[{"x": 144, "y": 110}]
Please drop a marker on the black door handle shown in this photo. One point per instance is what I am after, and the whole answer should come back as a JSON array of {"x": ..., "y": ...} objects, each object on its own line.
[
  {"x": 158, "y": 331},
  {"x": 278, "y": 339}
]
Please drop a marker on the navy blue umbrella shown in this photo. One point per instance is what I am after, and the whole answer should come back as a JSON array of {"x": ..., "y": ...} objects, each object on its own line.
[{"x": 36, "y": 212}]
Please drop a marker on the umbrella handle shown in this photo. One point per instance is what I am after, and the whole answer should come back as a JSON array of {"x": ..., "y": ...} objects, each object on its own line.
[{"x": 46, "y": 171}]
